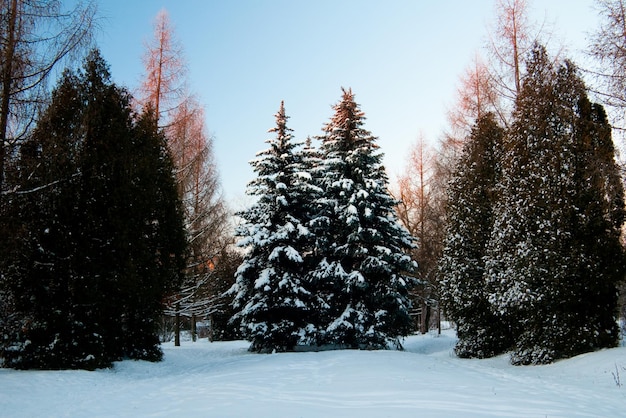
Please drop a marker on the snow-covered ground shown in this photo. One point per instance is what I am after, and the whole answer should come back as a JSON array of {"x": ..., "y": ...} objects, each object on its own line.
[{"x": 222, "y": 379}]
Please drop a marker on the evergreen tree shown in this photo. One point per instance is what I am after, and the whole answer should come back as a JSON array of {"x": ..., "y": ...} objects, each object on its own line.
[
  {"x": 131, "y": 216},
  {"x": 51, "y": 295},
  {"x": 157, "y": 248},
  {"x": 308, "y": 167},
  {"x": 103, "y": 240},
  {"x": 471, "y": 197},
  {"x": 360, "y": 243},
  {"x": 598, "y": 259},
  {"x": 273, "y": 300},
  {"x": 551, "y": 280}
]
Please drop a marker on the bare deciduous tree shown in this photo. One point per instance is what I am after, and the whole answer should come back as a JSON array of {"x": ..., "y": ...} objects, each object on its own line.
[
  {"x": 492, "y": 86},
  {"x": 476, "y": 95},
  {"x": 164, "y": 83},
  {"x": 35, "y": 36},
  {"x": 205, "y": 211},
  {"x": 511, "y": 38},
  {"x": 182, "y": 119},
  {"x": 508, "y": 43},
  {"x": 608, "y": 47},
  {"x": 419, "y": 209}
]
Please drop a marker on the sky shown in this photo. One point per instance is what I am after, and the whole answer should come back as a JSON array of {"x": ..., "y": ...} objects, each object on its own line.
[{"x": 401, "y": 58}]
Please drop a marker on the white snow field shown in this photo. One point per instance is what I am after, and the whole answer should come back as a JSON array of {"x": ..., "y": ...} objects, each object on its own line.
[{"x": 222, "y": 379}]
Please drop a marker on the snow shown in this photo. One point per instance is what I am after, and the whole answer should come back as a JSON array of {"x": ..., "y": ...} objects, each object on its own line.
[
  {"x": 264, "y": 278},
  {"x": 222, "y": 379}
]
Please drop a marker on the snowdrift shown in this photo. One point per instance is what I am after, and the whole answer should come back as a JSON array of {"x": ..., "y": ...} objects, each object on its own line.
[{"x": 222, "y": 379}]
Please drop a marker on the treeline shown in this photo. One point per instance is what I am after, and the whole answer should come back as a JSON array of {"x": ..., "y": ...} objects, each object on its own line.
[
  {"x": 111, "y": 213},
  {"x": 531, "y": 256}
]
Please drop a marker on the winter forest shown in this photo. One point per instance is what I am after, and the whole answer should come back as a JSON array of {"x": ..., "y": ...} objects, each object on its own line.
[{"x": 116, "y": 240}]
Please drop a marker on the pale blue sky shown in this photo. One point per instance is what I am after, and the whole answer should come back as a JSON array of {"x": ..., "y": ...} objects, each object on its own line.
[{"x": 402, "y": 60}]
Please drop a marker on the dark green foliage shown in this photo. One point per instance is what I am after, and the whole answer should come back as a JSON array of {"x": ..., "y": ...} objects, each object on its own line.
[
  {"x": 535, "y": 266},
  {"x": 361, "y": 246},
  {"x": 274, "y": 302},
  {"x": 43, "y": 274},
  {"x": 326, "y": 261},
  {"x": 102, "y": 239},
  {"x": 559, "y": 223},
  {"x": 464, "y": 291}
]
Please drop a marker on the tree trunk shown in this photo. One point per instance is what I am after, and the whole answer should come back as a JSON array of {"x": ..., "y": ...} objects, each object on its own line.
[
  {"x": 424, "y": 317},
  {"x": 193, "y": 328},
  {"x": 7, "y": 77},
  {"x": 211, "y": 328},
  {"x": 177, "y": 326},
  {"x": 438, "y": 319}
]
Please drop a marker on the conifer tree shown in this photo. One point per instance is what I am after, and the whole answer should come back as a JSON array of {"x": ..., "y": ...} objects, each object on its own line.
[
  {"x": 158, "y": 248},
  {"x": 131, "y": 213},
  {"x": 597, "y": 215},
  {"x": 104, "y": 240},
  {"x": 471, "y": 197},
  {"x": 551, "y": 280},
  {"x": 53, "y": 300},
  {"x": 307, "y": 163},
  {"x": 359, "y": 239},
  {"x": 273, "y": 300}
]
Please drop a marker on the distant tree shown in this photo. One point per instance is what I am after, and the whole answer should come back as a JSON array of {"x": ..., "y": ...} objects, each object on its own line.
[
  {"x": 477, "y": 95},
  {"x": 273, "y": 299},
  {"x": 103, "y": 241},
  {"x": 608, "y": 47},
  {"x": 363, "y": 272},
  {"x": 549, "y": 278},
  {"x": 206, "y": 214},
  {"x": 182, "y": 119},
  {"x": 221, "y": 328},
  {"x": 420, "y": 212},
  {"x": 463, "y": 288},
  {"x": 164, "y": 83}
]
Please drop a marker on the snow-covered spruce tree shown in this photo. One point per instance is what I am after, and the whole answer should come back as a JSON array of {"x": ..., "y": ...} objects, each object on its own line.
[
  {"x": 273, "y": 301},
  {"x": 471, "y": 196},
  {"x": 546, "y": 262},
  {"x": 363, "y": 269}
]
